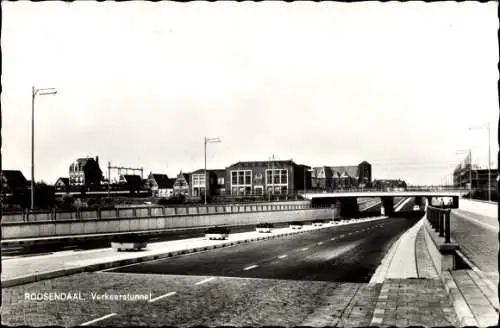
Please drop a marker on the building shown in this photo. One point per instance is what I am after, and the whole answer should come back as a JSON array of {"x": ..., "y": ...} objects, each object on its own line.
[
  {"x": 77, "y": 170},
  {"x": 131, "y": 182},
  {"x": 62, "y": 185},
  {"x": 466, "y": 176},
  {"x": 266, "y": 177},
  {"x": 12, "y": 181},
  {"x": 220, "y": 185},
  {"x": 158, "y": 184},
  {"x": 215, "y": 183},
  {"x": 182, "y": 185},
  {"x": 339, "y": 177}
]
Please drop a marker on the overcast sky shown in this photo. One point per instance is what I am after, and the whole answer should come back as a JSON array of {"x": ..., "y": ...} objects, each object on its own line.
[{"x": 140, "y": 84}]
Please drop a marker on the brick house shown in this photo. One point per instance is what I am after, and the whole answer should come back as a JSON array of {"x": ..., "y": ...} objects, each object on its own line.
[
  {"x": 182, "y": 184},
  {"x": 62, "y": 185},
  {"x": 266, "y": 177}
]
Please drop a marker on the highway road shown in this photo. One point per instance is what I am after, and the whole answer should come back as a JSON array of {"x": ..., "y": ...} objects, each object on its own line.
[
  {"x": 75, "y": 245},
  {"x": 313, "y": 279}
]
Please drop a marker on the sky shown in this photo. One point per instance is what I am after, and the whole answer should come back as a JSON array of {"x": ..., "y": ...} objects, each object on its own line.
[{"x": 140, "y": 84}]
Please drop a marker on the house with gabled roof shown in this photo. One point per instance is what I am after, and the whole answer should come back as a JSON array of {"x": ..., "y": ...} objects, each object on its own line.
[
  {"x": 182, "y": 184},
  {"x": 158, "y": 184},
  {"x": 62, "y": 185},
  {"x": 131, "y": 182},
  {"x": 346, "y": 176}
]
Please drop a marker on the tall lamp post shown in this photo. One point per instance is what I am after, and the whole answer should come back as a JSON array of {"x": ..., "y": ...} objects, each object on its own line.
[
  {"x": 487, "y": 126},
  {"x": 208, "y": 140},
  {"x": 35, "y": 92}
]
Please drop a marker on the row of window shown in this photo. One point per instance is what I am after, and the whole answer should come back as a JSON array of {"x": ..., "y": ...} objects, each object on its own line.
[
  {"x": 238, "y": 191},
  {"x": 273, "y": 177}
]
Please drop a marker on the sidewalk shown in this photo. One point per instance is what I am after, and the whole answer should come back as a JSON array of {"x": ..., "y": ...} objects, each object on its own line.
[
  {"x": 413, "y": 292},
  {"x": 21, "y": 270}
]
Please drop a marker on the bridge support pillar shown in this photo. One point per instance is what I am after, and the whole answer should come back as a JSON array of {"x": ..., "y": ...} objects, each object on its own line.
[
  {"x": 419, "y": 201},
  {"x": 387, "y": 206},
  {"x": 349, "y": 207},
  {"x": 455, "y": 203}
]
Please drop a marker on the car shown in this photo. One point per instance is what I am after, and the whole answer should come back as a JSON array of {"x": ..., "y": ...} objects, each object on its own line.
[{"x": 416, "y": 207}]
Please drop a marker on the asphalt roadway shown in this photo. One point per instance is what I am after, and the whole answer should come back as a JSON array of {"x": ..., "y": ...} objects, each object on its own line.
[
  {"x": 104, "y": 242},
  {"x": 317, "y": 278},
  {"x": 349, "y": 253}
]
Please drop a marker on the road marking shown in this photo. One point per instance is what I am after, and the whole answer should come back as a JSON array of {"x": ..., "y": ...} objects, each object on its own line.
[
  {"x": 70, "y": 246},
  {"x": 282, "y": 256},
  {"x": 250, "y": 267},
  {"x": 98, "y": 319},
  {"x": 332, "y": 238},
  {"x": 204, "y": 281},
  {"x": 304, "y": 249},
  {"x": 320, "y": 243},
  {"x": 341, "y": 236},
  {"x": 162, "y": 296}
]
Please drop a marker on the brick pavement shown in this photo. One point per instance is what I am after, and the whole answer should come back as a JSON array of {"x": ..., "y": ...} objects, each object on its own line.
[
  {"x": 476, "y": 297},
  {"x": 479, "y": 245},
  {"x": 422, "y": 302}
]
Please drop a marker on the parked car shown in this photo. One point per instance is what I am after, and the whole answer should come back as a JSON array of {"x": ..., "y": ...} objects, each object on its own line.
[{"x": 416, "y": 207}]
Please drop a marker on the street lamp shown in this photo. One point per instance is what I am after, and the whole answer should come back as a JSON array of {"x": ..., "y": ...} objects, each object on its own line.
[
  {"x": 487, "y": 126},
  {"x": 34, "y": 93},
  {"x": 208, "y": 140}
]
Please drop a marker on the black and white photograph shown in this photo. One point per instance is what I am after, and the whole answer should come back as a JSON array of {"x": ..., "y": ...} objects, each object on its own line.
[{"x": 246, "y": 164}]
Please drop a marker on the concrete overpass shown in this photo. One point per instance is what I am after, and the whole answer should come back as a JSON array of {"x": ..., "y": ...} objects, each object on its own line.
[{"x": 345, "y": 202}]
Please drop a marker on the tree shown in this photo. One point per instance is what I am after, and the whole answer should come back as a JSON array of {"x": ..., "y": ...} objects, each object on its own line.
[
  {"x": 44, "y": 195},
  {"x": 93, "y": 174}
]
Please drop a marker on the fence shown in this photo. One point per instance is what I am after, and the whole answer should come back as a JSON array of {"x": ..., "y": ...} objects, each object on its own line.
[{"x": 439, "y": 219}]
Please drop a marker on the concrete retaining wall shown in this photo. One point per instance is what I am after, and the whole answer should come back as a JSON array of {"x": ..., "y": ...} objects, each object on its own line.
[
  {"x": 442, "y": 261},
  {"x": 128, "y": 212},
  {"x": 125, "y": 224}
]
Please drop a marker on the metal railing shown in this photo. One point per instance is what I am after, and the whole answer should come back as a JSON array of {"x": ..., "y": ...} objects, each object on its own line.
[
  {"x": 439, "y": 219},
  {"x": 388, "y": 189}
]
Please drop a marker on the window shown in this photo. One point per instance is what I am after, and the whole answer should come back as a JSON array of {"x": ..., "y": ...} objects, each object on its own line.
[
  {"x": 241, "y": 180},
  {"x": 284, "y": 177},
  {"x": 277, "y": 177},
  {"x": 220, "y": 181}
]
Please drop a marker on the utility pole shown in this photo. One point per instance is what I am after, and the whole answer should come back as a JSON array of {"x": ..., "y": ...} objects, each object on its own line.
[
  {"x": 208, "y": 140},
  {"x": 34, "y": 93}
]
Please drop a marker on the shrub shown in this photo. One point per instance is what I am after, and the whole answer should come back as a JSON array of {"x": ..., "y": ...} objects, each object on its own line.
[
  {"x": 217, "y": 230},
  {"x": 265, "y": 225},
  {"x": 317, "y": 221},
  {"x": 297, "y": 223}
]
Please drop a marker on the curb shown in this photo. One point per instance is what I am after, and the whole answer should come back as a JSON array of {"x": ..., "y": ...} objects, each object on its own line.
[
  {"x": 461, "y": 307},
  {"x": 487, "y": 287},
  {"x": 109, "y": 265}
]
